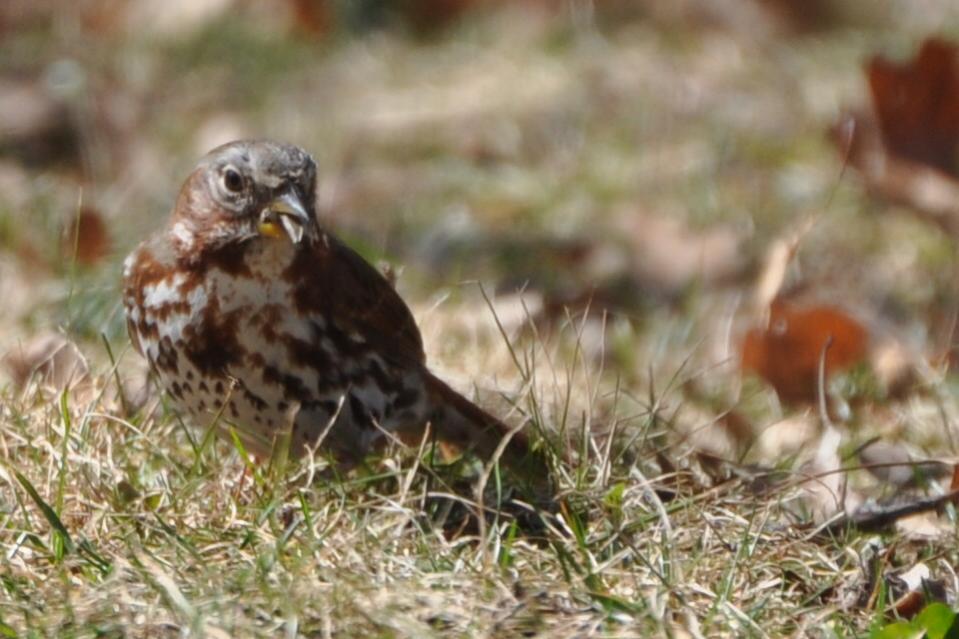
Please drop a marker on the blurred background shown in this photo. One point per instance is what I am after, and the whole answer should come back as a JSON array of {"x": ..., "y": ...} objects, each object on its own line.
[
  {"x": 678, "y": 171},
  {"x": 685, "y": 240}
]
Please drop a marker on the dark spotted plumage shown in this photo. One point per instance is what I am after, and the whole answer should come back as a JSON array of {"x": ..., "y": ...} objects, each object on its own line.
[{"x": 248, "y": 310}]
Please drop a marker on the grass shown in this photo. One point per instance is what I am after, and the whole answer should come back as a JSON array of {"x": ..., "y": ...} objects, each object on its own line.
[
  {"x": 476, "y": 159},
  {"x": 124, "y": 527}
]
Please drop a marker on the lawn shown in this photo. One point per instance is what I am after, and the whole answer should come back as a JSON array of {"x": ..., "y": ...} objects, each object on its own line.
[{"x": 588, "y": 207}]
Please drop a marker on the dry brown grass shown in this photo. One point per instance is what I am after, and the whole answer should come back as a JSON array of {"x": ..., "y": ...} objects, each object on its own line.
[
  {"x": 166, "y": 539},
  {"x": 462, "y": 157}
]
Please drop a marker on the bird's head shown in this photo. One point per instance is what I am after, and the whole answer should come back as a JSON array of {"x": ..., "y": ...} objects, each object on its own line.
[{"x": 244, "y": 190}]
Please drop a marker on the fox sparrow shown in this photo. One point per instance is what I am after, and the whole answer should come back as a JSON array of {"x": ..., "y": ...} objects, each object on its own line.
[{"x": 252, "y": 314}]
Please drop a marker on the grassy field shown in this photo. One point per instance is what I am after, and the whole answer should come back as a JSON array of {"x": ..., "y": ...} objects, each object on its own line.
[{"x": 578, "y": 203}]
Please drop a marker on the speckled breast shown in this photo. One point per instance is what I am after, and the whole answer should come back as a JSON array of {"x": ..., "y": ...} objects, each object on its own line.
[{"x": 229, "y": 347}]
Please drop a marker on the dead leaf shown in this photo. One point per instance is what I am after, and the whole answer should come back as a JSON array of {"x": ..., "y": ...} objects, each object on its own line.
[
  {"x": 823, "y": 491},
  {"x": 913, "y": 590},
  {"x": 86, "y": 238},
  {"x": 892, "y": 464},
  {"x": 135, "y": 387},
  {"x": 670, "y": 255},
  {"x": 36, "y": 125},
  {"x": 927, "y": 192},
  {"x": 925, "y": 526},
  {"x": 802, "y": 17},
  {"x": 788, "y": 437},
  {"x": 906, "y": 147},
  {"x": 428, "y": 16},
  {"x": 917, "y": 104},
  {"x": 788, "y": 351},
  {"x": 772, "y": 276},
  {"x": 909, "y": 605},
  {"x": 719, "y": 437},
  {"x": 893, "y": 365},
  {"x": 51, "y": 361},
  {"x": 174, "y": 18},
  {"x": 647, "y": 257},
  {"x": 313, "y": 17}
]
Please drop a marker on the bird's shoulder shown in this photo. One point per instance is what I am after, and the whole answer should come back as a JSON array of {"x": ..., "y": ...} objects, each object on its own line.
[
  {"x": 152, "y": 261},
  {"x": 332, "y": 280}
]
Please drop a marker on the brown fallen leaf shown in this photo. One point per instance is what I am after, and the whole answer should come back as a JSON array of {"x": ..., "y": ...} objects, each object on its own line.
[
  {"x": 918, "y": 588},
  {"x": 312, "y": 17},
  {"x": 924, "y": 191},
  {"x": 802, "y": 17},
  {"x": 917, "y": 104},
  {"x": 787, "y": 352},
  {"x": 906, "y": 146},
  {"x": 85, "y": 237},
  {"x": 909, "y": 605}
]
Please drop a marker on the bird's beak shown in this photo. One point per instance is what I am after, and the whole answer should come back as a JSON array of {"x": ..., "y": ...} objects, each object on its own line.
[{"x": 284, "y": 213}]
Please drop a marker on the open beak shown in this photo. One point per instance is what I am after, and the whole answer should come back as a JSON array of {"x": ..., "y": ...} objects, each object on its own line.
[{"x": 284, "y": 214}]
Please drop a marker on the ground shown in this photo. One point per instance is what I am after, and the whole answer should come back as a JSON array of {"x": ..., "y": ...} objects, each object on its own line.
[{"x": 579, "y": 203}]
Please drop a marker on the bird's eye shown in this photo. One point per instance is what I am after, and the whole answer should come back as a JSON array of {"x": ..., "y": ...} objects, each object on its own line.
[{"x": 232, "y": 180}]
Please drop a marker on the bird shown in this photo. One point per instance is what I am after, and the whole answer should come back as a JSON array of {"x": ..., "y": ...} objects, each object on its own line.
[{"x": 259, "y": 321}]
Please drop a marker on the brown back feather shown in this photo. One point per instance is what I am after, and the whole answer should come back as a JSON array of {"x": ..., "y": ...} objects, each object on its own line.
[{"x": 336, "y": 282}]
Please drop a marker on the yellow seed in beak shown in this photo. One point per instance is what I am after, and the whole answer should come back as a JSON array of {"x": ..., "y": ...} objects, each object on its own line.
[
  {"x": 270, "y": 229},
  {"x": 285, "y": 214}
]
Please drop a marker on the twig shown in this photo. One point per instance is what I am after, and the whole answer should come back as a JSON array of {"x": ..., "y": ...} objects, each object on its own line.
[{"x": 875, "y": 518}]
